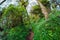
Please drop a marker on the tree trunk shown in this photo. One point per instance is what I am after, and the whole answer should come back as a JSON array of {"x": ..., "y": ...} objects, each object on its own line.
[
  {"x": 43, "y": 9},
  {"x": 30, "y": 35}
]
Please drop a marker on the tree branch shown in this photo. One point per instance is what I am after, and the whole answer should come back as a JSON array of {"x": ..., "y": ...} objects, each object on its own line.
[
  {"x": 2, "y": 2},
  {"x": 43, "y": 9}
]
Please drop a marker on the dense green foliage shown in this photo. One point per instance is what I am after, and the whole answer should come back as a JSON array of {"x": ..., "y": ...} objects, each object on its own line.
[
  {"x": 17, "y": 23},
  {"x": 48, "y": 29}
]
